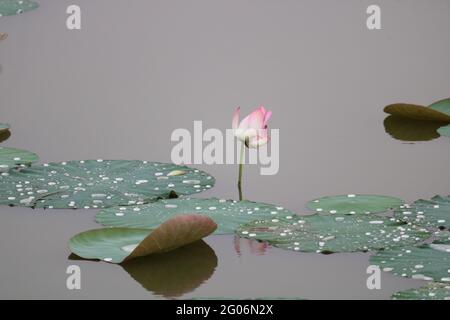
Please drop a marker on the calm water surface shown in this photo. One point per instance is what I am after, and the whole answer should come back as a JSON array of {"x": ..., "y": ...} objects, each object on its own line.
[{"x": 140, "y": 69}]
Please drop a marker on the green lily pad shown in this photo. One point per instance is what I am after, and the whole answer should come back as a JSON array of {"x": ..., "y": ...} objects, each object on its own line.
[
  {"x": 427, "y": 262},
  {"x": 99, "y": 184},
  {"x": 442, "y": 106},
  {"x": 432, "y": 291},
  {"x": 426, "y": 213},
  {"x": 354, "y": 204},
  {"x": 331, "y": 233},
  {"x": 444, "y": 131},
  {"x": 175, "y": 273},
  {"x": 443, "y": 236},
  {"x": 4, "y": 127},
  {"x": 418, "y": 112},
  {"x": 12, "y": 158},
  {"x": 13, "y": 7},
  {"x": 228, "y": 214},
  {"x": 117, "y": 245},
  {"x": 406, "y": 129}
]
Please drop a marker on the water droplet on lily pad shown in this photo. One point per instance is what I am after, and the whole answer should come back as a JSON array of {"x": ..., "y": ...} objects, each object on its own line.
[
  {"x": 79, "y": 184},
  {"x": 432, "y": 291},
  {"x": 117, "y": 245},
  {"x": 432, "y": 261},
  {"x": 11, "y": 158},
  {"x": 227, "y": 214},
  {"x": 327, "y": 234},
  {"x": 13, "y": 7},
  {"x": 354, "y": 204},
  {"x": 434, "y": 213}
]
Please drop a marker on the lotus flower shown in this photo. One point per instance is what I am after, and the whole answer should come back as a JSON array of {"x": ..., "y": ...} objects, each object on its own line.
[{"x": 253, "y": 128}]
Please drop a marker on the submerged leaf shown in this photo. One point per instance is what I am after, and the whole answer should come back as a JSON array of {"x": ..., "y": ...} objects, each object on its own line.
[
  {"x": 228, "y": 214},
  {"x": 174, "y": 273},
  {"x": 418, "y": 112},
  {"x": 432, "y": 291},
  {"x": 13, "y": 7},
  {"x": 11, "y": 158},
  {"x": 117, "y": 245},
  {"x": 427, "y": 262},
  {"x": 406, "y": 129},
  {"x": 331, "y": 233},
  {"x": 98, "y": 184},
  {"x": 354, "y": 204}
]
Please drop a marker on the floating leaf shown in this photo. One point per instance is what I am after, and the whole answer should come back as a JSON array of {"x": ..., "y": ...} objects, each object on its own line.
[
  {"x": 418, "y": 112},
  {"x": 4, "y": 127},
  {"x": 443, "y": 236},
  {"x": 228, "y": 214},
  {"x": 12, "y": 7},
  {"x": 432, "y": 291},
  {"x": 174, "y": 273},
  {"x": 444, "y": 131},
  {"x": 330, "y": 233},
  {"x": 4, "y": 135},
  {"x": 3, "y": 36},
  {"x": 427, "y": 262},
  {"x": 258, "y": 298},
  {"x": 98, "y": 184},
  {"x": 406, "y": 129},
  {"x": 426, "y": 213},
  {"x": 442, "y": 106},
  {"x": 11, "y": 158},
  {"x": 354, "y": 204},
  {"x": 117, "y": 245}
]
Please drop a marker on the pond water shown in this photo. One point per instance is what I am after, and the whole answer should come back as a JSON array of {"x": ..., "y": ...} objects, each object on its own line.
[{"x": 137, "y": 70}]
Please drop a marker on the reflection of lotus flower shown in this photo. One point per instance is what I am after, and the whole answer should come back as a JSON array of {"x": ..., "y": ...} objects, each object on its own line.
[
  {"x": 252, "y": 129},
  {"x": 255, "y": 247}
]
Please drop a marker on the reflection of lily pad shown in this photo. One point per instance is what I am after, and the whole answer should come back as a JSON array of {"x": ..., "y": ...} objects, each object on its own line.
[
  {"x": 406, "y": 129},
  {"x": 4, "y": 127},
  {"x": 99, "y": 184},
  {"x": 12, "y": 7},
  {"x": 228, "y": 214},
  {"x": 174, "y": 273},
  {"x": 12, "y": 158},
  {"x": 418, "y": 112},
  {"x": 354, "y": 204},
  {"x": 330, "y": 233},
  {"x": 432, "y": 291},
  {"x": 426, "y": 213},
  {"x": 444, "y": 131},
  {"x": 426, "y": 262},
  {"x": 117, "y": 245}
]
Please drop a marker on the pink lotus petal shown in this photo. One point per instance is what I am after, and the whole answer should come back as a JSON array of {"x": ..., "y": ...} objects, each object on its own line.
[
  {"x": 267, "y": 117},
  {"x": 235, "y": 122},
  {"x": 259, "y": 140},
  {"x": 256, "y": 119},
  {"x": 262, "y": 109}
]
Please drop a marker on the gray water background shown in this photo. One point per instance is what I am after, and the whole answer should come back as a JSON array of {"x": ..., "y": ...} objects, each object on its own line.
[{"x": 140, "y": 69}]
